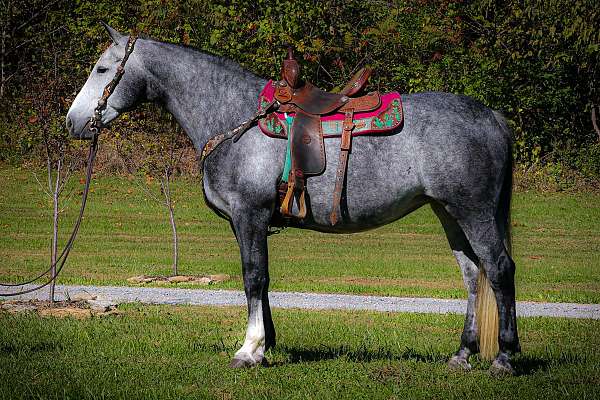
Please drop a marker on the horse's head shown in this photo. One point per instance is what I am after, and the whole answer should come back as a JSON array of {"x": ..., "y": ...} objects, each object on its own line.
[{"x": 126, "y": 95}]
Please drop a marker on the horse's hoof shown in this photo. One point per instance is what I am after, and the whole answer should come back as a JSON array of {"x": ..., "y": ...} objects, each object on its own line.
[
  {"x": 457, "y": 363},
  {"x": 501, "y": 368},
  {"x": 242, "y": 362}
]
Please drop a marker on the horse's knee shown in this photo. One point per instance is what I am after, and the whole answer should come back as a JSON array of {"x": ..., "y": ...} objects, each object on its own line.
[
  {"x": 255, "y": 281},
  {"x": 507, "y": 270},
  {"x": 507, "y": 266}
]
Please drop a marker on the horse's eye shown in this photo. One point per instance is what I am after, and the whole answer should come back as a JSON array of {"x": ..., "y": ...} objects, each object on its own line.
[{"x": 101, "y": 70}]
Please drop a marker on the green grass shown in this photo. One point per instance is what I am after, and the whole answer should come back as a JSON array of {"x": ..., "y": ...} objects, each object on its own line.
[
  {"x": 556, "y": 245},
  {"x": 183, "y": 352}
]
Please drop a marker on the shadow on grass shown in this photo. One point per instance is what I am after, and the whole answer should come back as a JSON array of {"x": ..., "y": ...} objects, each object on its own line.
[
  {"x": 12, "y": 348},
  {"x": 297, "y": 355},
  {"x": 526, "y": 364}
]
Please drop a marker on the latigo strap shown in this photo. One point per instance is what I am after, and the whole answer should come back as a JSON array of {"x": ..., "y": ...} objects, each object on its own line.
[{"x": 340, "y": 175}]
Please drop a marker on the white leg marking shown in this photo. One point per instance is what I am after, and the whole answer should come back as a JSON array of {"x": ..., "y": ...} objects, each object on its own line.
[{"x": 254, "y": 344}]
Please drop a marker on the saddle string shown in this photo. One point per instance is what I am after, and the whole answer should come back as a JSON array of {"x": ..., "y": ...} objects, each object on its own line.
[{"x": 94, "y": 128}]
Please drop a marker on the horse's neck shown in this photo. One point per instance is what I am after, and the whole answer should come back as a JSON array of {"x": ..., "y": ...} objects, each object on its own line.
[{"x": 206, "y": 94}]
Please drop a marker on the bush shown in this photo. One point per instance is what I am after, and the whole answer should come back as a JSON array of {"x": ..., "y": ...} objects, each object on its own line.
[{"x": 536, "y": 61}]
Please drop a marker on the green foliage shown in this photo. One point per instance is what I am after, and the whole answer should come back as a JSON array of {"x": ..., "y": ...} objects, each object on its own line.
[
  {"x": 536, "y": 61},
  {"x": 155, "y": 157},
  {"x": 542, "y": 58}
]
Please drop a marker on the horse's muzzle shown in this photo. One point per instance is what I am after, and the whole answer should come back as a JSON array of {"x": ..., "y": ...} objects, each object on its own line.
[{"x": 82, "y": 134}]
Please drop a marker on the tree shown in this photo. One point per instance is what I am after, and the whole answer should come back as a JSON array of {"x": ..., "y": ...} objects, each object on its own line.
[
  {"x": 62, "y": 155},
  {"x": 20, "y": 28},
  {"x": 156, "y": 160}
]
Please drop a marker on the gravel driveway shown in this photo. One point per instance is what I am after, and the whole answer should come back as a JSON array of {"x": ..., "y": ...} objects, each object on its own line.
[{"x": 312, "y": 301}]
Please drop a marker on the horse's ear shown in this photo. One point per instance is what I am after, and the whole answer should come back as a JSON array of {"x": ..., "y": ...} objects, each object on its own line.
[{"x": 113, "y": 33}]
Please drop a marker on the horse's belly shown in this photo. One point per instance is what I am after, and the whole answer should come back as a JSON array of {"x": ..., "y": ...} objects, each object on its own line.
[{"x": 382, "y": 186}]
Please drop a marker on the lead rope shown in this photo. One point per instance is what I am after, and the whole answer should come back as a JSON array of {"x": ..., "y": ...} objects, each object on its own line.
[
  {"x": 95, "y": 129},
  {"x": 65, "y": 253}
]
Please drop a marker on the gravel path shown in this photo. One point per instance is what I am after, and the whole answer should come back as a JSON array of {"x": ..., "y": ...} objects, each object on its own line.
[{"x": 313, "y": 301}]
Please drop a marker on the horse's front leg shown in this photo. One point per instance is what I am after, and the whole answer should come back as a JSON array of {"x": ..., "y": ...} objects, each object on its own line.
[{"x": 251, "y": 232}]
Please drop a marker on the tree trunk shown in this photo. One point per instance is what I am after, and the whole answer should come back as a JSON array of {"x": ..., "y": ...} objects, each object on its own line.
[
  {"x": 55, "y": 212},
  {"x": 166, "y": 189},
  {"x": 174, "y": 228},
  {"x": 54, "y": 245}
]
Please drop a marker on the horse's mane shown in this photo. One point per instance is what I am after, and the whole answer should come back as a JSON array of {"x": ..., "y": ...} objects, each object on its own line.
[{"x": 214, "y": 58}]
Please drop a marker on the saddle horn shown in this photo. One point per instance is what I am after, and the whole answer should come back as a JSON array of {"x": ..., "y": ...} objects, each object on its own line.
[{"x": 290, "y": 70}]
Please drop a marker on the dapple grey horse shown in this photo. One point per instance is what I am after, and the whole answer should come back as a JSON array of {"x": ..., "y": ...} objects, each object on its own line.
[{"x": 452, "y": 153}]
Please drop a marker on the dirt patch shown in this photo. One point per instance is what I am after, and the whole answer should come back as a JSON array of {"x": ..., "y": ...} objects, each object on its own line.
[
  {"x": 80, "y": 308},
  {"x": 188, "y": 279},
  {"x": 391, "y": 373},
  {"x": 61, "y": 312}
]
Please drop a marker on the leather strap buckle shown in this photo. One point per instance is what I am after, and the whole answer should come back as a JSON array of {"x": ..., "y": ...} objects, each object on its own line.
[{"x": 348, "y": 126}]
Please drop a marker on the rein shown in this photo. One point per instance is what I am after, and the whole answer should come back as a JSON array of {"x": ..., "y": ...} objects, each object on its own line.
[{"x": 94, "y": 126}]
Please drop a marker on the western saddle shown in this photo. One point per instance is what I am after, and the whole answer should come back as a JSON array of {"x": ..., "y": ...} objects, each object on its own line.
[
  {"x": 309, "y": 104},
  {"x": 304, "y": 115}
]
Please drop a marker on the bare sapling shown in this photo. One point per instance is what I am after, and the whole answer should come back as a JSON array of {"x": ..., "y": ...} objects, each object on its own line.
[
  {"x": 156, "y": 159},
  {"x": 169, "y": 165},
  {"x": 60, "y": 156},
  {"x": 60, "y": 165}
]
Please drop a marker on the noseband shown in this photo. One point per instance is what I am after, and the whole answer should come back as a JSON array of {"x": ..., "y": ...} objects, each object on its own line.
[{"x": 95, "y": 124}]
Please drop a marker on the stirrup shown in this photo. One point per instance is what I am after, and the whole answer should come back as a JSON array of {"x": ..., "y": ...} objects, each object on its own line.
[
  {"x": 286, "y": 204},
  {"x": 288, "y": 201}
]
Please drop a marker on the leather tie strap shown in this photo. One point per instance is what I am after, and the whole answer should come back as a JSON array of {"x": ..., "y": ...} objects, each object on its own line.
[
  {"x": 234, "y": 134},
  {"x": 340, "y": 176}
]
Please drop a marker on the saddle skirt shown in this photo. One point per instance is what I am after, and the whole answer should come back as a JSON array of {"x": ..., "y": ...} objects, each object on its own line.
[{"x": 384, "y": 119}]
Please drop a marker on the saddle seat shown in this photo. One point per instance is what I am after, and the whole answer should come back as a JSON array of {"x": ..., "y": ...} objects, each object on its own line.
[{"x": 306, "y": 115}]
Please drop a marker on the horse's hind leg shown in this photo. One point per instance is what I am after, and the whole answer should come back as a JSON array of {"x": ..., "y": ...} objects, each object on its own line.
[
  {"x": 251, "y": 232},
  {"x": 486, "y": 242},
  {"x": 467, "y": 261}
]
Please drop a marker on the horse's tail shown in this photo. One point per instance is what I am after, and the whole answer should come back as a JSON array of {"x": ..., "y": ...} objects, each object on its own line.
[{"x": 486, "y": 307}]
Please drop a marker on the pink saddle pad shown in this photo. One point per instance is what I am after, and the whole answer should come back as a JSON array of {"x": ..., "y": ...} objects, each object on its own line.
[{"x": 388, "y": 117}]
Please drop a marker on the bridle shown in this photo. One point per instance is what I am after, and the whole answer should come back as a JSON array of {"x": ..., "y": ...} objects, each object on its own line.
[
  {"x": 95, "y": 125},
  {"x": 96, "y": 119}
]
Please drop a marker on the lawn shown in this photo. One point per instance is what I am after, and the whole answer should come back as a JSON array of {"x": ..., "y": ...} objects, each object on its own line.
[
  {"x": 556, "y": 244},
  {"x": 183, "y": 352}
]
